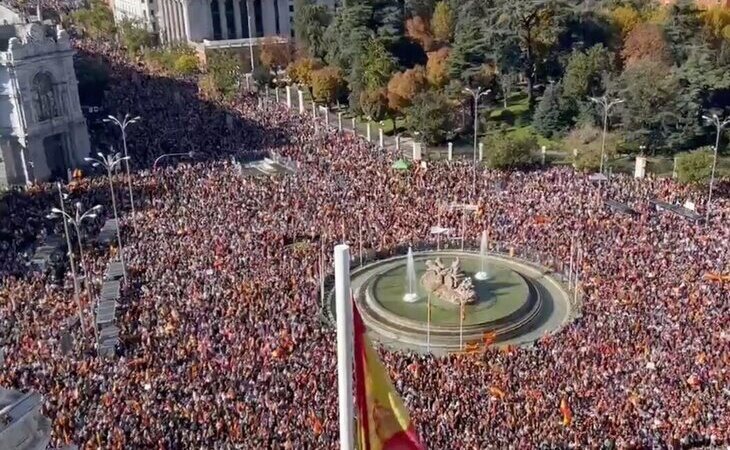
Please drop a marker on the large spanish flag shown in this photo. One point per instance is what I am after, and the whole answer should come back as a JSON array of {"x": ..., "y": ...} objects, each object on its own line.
[{"x": 383, "y": 421}]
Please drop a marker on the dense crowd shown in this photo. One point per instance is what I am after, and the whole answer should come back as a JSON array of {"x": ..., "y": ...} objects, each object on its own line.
[{"x": 222, "y": 344}]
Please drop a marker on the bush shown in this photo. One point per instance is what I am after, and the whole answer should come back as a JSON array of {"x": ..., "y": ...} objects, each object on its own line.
[
  {"x": 505, "y": 151},
  {"x": 262, "y": 76},
  {"x": 695, "y": 167},
  {"x": 186, "y": 65},
  {"x": 134, "y": 36}
]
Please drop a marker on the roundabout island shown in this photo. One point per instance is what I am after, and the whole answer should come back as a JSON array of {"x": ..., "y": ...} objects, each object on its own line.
[{"x": 451, "y": 300}]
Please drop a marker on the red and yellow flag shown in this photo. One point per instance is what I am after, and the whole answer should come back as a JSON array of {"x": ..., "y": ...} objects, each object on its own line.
[{"x": 383, "y": 421}]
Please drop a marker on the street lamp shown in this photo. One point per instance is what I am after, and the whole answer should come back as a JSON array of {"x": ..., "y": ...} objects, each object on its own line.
[
  {"x": 110, "y": 163},
  {"x": 122, "y": 124},
  {"x": 719, "y": 124},
  {"x": 607, "y": 104},
  {"x": 189, "y": 154},
  {"x": 76, "y": 220},
  {"x": 61, "y": 198},
  {"x": 477, "y": 94}
]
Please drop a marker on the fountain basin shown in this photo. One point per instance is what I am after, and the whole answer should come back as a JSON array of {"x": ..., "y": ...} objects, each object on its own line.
[{"x": 517, "y": 304}]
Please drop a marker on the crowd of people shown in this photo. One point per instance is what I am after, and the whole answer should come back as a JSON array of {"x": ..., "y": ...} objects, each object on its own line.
[{"x": 222, "y": 344}]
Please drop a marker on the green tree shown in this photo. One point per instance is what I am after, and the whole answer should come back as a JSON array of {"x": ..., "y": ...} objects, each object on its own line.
[
  {"x": 310, "y": 24},
  {"x": 469, "y": 51},
  {"x": 509, "y": 151},
  {"x": 549, "y": 118},
  {"x": 695, "y": 167},
  {"x": 225, "y": 73},
  {"x": 683, "y": 28},
  {"x": 536, "y": 25},
  {"x": 625, "y": 18},
  {"x": 97, "y": 20},
  {"x": 377, "y": 64},
  {"x": 584, "y": 76},
  {"x": 328, "y": 84},
  {"x": 442, "y": 23},
  {"x": 430, "y": 115},
  {"x": 651, "y": 104}
]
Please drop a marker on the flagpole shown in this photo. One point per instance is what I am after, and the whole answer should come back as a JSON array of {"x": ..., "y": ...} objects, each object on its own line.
[
  {"x": 461, "y": 328},
  {"x": 344, "y": 346},
  {"x": 428, "y": 325}
]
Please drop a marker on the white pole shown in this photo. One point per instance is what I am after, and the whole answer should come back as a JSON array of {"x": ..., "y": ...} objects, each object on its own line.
[
  {"x": 339, "y": 122},
  {"x": 344, "y": 345},
  {"x": 428, "y": 325},
  {"x": 359, "y": 227},
  {"x": 570, "y": 266},
  {"x": 461, "y": 327}
]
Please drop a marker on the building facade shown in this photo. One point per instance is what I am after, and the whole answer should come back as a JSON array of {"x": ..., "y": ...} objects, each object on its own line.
[
  {"x": 140, "y": 11},
  {"x": 43, "y": 133},
  {"x": 196, "y": 21}
]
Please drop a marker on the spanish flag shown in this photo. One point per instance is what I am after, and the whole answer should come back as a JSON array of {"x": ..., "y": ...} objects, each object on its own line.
[{"x": 383, "y": 422}]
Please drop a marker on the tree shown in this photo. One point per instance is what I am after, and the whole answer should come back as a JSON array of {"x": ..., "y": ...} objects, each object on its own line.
[
  {"x": 403, "y": 88},
  {"x": 442, "y": 23},
  {"x": 377, "y": 64},
  {"x": 509, "y": 151},
  {"x": 186, "y": 65},
  {"x": 300, "y": 71},
  {"x": 584, "y": 76},
  {"x": 387, "y": 21},
  {"x": 134, "y": 36},
  {"x": 437, "y": 68},
  {"x": 586, "y": 140},
  {"x": 422, "y": 8},
  {"x": 625, "y": 18},
  {"x": 328, "y": 84},
  {"x": 418, "y": 30},
  {"x": 346, "y": 36},
  {"x": 549, "y": 117},
  {"x": 430, "y": 115},
  {"x": 681, "y": 28},
  {"x": 225, "y": 73},
  {"x": 310, "y": 23},
  {"x": 275, "y": 55},
  {"x": 695, "y": 167},
  {"x": 535, "y": 25},
  {"x": 651, "y": 104},
  {"x": 374, "y": 103},
  {"x": 645, "y": 42},
  {"x": 506, "y": 83},
  {"x": 97, "y": 20},
  {"x": 716, "y": 24},
  {"x": 469, "y": 51}
]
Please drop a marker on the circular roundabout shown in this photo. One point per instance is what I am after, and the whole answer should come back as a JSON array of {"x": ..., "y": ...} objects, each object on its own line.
[{"x": 471, "y": 299}]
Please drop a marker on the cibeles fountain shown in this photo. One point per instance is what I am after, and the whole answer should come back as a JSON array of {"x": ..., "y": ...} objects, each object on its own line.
[{"x": 440, "y": 301}]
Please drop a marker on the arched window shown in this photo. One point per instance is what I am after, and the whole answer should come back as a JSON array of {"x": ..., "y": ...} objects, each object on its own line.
[{"x": 44, "y": 97}]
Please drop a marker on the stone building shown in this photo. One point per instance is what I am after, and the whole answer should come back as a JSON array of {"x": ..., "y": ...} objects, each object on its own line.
[
  {"x": 200, "y": 22},
  {"x": 43, "y": 133}
]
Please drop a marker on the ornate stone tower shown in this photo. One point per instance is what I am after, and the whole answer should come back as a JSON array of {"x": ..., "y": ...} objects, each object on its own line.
[{"x": 42, "y": 130}]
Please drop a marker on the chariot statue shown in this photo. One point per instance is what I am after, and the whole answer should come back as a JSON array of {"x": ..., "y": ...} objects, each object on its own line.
[{"x": 449, "y": 284}]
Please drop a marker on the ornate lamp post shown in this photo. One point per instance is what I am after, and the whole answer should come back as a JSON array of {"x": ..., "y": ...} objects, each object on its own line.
[
  {"x": 122, "y": 124},
  {"x": 110, "y": 163}
]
